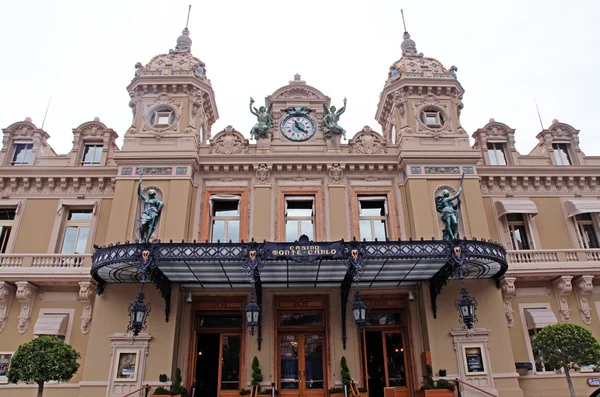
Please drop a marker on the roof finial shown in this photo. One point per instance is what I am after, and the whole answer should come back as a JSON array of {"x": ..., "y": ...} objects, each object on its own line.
[
  {"x": 188, "y": 18},
  {"x": 408, "y": 46},
  {"x": 184, "y": 43}
]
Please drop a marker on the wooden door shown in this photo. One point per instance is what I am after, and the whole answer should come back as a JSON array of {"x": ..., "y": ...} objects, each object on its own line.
[{"x": 301, "y": 365}]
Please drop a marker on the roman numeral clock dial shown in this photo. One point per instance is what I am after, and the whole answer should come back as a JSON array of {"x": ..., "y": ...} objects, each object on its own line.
[{"x": 298, "y": 126}]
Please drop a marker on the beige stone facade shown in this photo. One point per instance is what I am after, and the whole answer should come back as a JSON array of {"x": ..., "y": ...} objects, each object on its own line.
[{"x": 543, "y": 207}]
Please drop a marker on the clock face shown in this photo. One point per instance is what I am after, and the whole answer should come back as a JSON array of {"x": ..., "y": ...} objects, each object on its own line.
[{"x": 298, "y": 128}]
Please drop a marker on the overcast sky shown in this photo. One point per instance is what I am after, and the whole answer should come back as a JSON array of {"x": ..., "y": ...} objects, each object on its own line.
[{"x": 82, "y": 53}]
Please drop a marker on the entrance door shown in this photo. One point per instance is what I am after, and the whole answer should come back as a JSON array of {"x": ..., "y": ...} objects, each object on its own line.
[
  {"x": 386, "y": 362},
  {"x": 301, "y": 366},
  {"x": 218, "y": 364}
]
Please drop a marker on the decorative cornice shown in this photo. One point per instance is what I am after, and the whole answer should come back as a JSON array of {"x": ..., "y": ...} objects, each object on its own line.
[
  {"x": 25, "y": 294},
  {"x": 533, "y": 185},
  {"x": 6, "y": 293},
  {"x": 584, "y": 287},
  {"x": 85, "y": 291},
  {"x": 562, "y": 289},
  {"x": 73, "y": 186},
  {"x": 508, "y": 292}
]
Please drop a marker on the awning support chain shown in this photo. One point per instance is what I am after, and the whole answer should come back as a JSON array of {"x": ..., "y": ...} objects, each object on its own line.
[
  {"x": 252, "y": 263},
  {"x": 147, "y": 264},
  {"x": 456, "y": 263},
  {"x": 355, "y": 259}
]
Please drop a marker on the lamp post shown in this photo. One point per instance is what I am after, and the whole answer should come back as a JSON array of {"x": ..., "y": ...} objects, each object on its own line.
[
  {"x": 466, "y": 306},
  {"x": 359, "y": 311},
  {"x": 252, "y": 313},
  {"x": 138, "y": 312}
]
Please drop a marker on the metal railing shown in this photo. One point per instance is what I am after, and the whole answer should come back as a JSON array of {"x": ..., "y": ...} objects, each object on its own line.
[
  {"x": 458, "y": 383},
  {"x": 146, "y": 388},
  {"x": 46, "y": 260}
]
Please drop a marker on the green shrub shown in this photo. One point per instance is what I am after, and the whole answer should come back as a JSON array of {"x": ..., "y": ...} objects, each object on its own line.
[
  {"x": 346, "y": 379},
  {"x": 257, "y": 377},
  {"x": 161, "y": 391},
  {"x": 176, "y": 388}
]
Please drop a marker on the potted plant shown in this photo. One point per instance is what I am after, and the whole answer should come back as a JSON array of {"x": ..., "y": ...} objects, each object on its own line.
[
  {"x": 336, "y": 391},
  {"x": 257, "y": 377},
  {"x": 176, "y": 389},
  {"x": 441, "y": 388},
  {"x": 244, "y": 392}
]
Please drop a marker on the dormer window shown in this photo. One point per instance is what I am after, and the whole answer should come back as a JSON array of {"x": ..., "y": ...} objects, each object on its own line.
[
  {"x": 22, "y": 154},
  {"x": 162, "y": 117},
  {"x": 432, "y": 118},
  {"x": 496, "y": 153},
  {"x": 561, "y": 153},
  {"x": 92, "y": 155}
]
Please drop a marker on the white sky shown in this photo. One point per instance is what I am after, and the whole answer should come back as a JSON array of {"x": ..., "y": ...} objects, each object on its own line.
[{"x": 507, "y": 52}]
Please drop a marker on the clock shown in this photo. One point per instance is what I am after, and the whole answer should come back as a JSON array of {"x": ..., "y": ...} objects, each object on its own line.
[{"x": 298, "y": 127}]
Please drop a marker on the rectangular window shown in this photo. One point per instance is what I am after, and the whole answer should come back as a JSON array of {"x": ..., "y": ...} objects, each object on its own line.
[
  {"x": 76, "y": 231},
  {"x": 372, "y": 217},
  {"x": 561, "y": 153},
  {"x": 22, "y": 154},
  {"x": 588, "y": 237},
  {"x": 518, "y": 231},
  {"x": 539, "y": 364},
  {"x": 7, "y": 217},
  {"x": 92, "y": 155},
  {"x": 299, "y": 217},
  {"x": 496, "y": 153},
  {"x": 225, "y": 218}
]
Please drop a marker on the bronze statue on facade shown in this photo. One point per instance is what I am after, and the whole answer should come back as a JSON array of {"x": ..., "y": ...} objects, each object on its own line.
[
  {"x": 330, "y": 121},
  {"x": 265, "y": 120},
  {"x": 449, "y": 211},
  {"x": 150, "y": 214}
]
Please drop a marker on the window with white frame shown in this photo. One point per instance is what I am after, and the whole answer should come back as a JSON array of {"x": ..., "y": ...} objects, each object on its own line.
[
  {"x": 76, "y": 231},
  {"x": 432, "y": 118},
  {"x": 92, "y": 155},
  {"x": 372, "y": 217},
  {"x": 561, "y": 153},
  {"x": 225, "y": 218},
  {"x": 299, "y": 217},
  {"x": 587, "y": 232},
  {"x": 7, "y": 220},
  {"x": 518, "y": 230},
  {"x": 162, "y": 117},
  {"x": 55, "y": 322},
  {"x": 22, "y": 154},
  {"x": 537, "y": 318},
  {"x": 496, "y": 153}
]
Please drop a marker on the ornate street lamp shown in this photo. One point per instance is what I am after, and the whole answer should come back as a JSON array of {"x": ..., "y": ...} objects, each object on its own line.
[
  {"x": 138, "y": 312},
  {"x": 466, "y": 306},
  {"x": 252, "y": 313},
  {"x": 359, "y": 311}
]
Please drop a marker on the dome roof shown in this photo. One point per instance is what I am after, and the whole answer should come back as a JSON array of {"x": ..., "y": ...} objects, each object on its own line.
[
  {"x": 414, "y": 64},
  {"x": 179, "y": 61}
]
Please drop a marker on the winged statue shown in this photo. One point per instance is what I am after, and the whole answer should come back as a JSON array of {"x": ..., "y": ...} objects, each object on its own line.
[
  {"x": 330, "y": 121},
  {"x": 265, "y": 120}
]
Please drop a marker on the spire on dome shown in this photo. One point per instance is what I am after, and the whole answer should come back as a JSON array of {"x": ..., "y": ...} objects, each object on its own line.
[
  {"x": 408, "y": 46},
  {"x": 184, "y": 42}
]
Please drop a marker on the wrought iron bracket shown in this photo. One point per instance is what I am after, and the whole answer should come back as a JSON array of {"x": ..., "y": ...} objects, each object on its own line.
[{"x": 355, "y": 260}]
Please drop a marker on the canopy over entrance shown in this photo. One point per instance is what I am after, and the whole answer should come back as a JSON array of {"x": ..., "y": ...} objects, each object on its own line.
[{"x": 301, "y": 264}]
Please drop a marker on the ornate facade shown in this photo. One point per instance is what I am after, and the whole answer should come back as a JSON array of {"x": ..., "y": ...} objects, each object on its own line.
[{"x": 231, "y": 202}]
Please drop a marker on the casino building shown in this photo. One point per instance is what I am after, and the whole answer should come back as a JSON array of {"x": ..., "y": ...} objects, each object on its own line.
[{"x": 298, "y": 248}]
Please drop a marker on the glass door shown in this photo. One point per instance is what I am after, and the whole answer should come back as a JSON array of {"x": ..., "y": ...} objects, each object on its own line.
[
  {"x": 386, "y": 359},
  {"x": 301, "y": 366}
]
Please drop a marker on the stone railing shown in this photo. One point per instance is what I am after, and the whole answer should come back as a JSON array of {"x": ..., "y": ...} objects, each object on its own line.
[
  {"x": 45, "y": 260},
  {"x": 553, "y": 256}
]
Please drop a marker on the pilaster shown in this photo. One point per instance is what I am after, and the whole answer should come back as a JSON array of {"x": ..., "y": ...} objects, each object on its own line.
[
  {"x": 6, "y": 294},
  {"x": 584, "y": 287},
  {"x": 562, "y": 289},
  {"x": 85, "y": 293},
  {"x": 508, "y": 293},
  {"x": 26, "y": 295}
]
